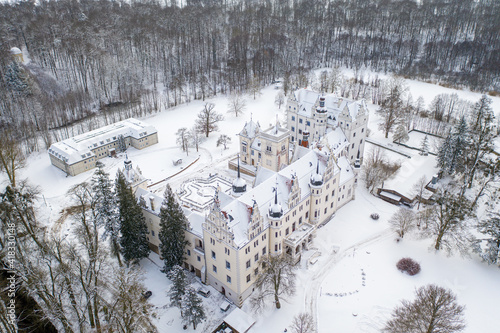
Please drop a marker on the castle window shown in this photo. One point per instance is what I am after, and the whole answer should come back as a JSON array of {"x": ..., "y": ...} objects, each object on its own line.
[
  {"x": 326, "y": 198},
  {"x": 213, "y": 255},
  {"x": 264, "y": 250},
  {"x": 244, "y": 149},
  {"x": 253, "y": 152},
  {"x": 300, "y": 131},
  {"x": 287, "y": 231},
  {"x": 256, "y": 271},
  {"x": 248, "y": 278},
  {"x": 214, "y": 268},
  {"x": 300, "y": 220},
  {"x": 354, "y": 134},
  {"x": 293, "y": 117},
  {"x": 293, "y": 129},
  {"x": 248, "y": 263},
  {"x": 228, "y": 265},
  {"x": 362, "y": 130},
  {"x": 256, "y": 257},
  {"x": 275, "y": 247},
  {"x": 152, "y": 233},
  {"x": 300, "y": 120},
  {"x": 228, "y": 279},
  {"x": 325, "y": 210},
  {"x": 268, "y": 148},
  {"x": 353, "y": 146},
  {"x": 308, "y": 123},
  {"x": 198, "y": 258},
  {"x": 361, "y": 141},
  {"x": 307, "y": 215},
  {"x": 188, "y": 252}
]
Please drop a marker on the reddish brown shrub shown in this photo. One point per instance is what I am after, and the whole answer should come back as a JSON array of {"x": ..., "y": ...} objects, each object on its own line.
[{"x": 409, "y": 266}]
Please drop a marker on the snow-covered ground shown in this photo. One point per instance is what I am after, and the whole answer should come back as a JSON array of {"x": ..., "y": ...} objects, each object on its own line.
[{"x": 350, "y": 245}]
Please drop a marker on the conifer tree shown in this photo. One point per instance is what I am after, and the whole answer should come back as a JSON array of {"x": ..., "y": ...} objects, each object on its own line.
[
  {"x": 133, "y": 240},
  {"x": 481, "y": 132},
  {"x": 173, "y": 222},
  {"x": 424, "y": 146},
  {"x": 452, "y": 152},
  {"x": 491, "y": 229},
  {"x": 106, "y": 209},
  {"x": 192, "y": 308},
  {"x": 179, "y": 285}
]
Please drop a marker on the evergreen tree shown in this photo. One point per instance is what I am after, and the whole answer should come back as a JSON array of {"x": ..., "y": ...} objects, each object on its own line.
[
  {"x": 491, "y": 228},
  {"x": 17, "y": 79},
  {"x": 482, "y": 133},
  {"x": 133, "y": 241},
  {"x": 173, "y": 222},
  {"x": 452, "y": 153},
  {"x": 106, "y": 208},
  {"x": 424, "y": 146},
  {"x": 179, "y": 285},
  {"x": 192, "y": 308}
]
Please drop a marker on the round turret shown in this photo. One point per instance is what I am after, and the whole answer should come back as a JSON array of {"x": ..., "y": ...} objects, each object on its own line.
[
  {"x": 316, "y": 178},
  {"x": 275, "y": 210},
  {"x": 239, "y": 185},
  {"x": 321, "y": 108}
]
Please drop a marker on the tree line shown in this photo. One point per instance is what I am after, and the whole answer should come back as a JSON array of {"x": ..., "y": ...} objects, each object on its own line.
[{"x": 122, "y": 59}]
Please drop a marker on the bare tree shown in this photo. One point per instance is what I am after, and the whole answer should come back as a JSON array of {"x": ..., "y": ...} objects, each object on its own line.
[
  {"x": 377, "y": 169},
  {"x": 223, "y": 140},
  {"x": 275, "y": 281},
  {"x": 183, "y": 139},
  {"x": 279, "y": 99},
  {"x": 208, "y": 119},
  {"x": 11, "y": 157},
  {"x": 254, "y": 87},
  {"x": 392, "y": 106},
  {"x": 195, "y": 138},
  {"x": 236, "y": 104},
  {"x": 400, "y": 134},
  {"x": 402, "y": 221},
  {"x": 447, "y": 222},
  {"x": 419, "y": 189},
  {"x": 435, "y": 310},
  {"x": 303, "y": 323}
]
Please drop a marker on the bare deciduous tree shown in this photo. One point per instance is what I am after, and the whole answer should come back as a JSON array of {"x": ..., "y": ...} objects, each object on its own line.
[
  {"x": 303, "y": 323},
  {"x": 377, "y": 169},
  {"x": 223, "y": 140},
  {"x": 276, "y": 280},
  {"x": 402, "y": 221},
  {"x": 208, "y": 119},
  {"x": 183, "y": 139},
  {"x": 11, "y": 157},
  {"x": 435, "y": 310},
  {"x": 236, "y": 104}
]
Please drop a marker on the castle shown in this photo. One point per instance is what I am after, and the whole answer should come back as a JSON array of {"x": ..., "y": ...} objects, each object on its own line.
[{"x": 295, "y": 190}]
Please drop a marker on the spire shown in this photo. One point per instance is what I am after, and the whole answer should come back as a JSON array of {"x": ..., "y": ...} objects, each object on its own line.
[
  {"x": 275, "y": 211},
  {"x": 317, "y": 179},
  {"x": 277, "y": 124},
  {"x": 127, "y": 163},
  {"x": 239, "y": 185},
  {"x": 238, "y": 165}
]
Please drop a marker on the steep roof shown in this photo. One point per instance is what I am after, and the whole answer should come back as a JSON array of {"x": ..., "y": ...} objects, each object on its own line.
[
  {"x": 307, "y": 99},
  {"x": 250, "y": 130}
]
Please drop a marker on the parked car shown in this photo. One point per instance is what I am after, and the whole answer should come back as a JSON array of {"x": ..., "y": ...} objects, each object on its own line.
[
  {"x": 224, "y": 306},
  {"x": 203, "y": 292},
  {"x": 147, "y": 294}
]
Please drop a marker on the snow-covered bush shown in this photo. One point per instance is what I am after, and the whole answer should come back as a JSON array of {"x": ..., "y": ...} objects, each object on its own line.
[{"x": 409, "y": 266}]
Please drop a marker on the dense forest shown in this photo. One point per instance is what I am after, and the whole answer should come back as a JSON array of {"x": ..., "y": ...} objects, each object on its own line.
[{"x": 120, "y": 59}]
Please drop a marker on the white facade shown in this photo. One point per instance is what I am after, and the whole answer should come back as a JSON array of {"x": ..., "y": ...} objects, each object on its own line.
[{"x": 312, "y": 116}]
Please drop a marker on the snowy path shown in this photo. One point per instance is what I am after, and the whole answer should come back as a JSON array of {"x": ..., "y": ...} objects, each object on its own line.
[{"x": 313, "y": 288}]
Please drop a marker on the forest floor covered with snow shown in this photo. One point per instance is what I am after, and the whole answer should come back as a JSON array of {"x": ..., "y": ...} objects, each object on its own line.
[{"x": 354, "y": 284}]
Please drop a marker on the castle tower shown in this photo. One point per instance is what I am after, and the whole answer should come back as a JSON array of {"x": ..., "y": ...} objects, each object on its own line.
[
  {"x": 275, "y": 146},
  {"x": 239, "y": 185},
  {"x": 320, "y": 120},
  {"x": 17, "y": 55},
  {"x": 316, "y": 185},
  {"x": 275, "y": 215}
]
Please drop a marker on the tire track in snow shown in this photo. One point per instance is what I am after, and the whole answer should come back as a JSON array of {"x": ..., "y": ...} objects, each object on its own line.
[{"x": 315, "y": 282}]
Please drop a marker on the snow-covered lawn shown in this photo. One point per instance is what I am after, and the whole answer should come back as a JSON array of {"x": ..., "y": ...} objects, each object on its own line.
[{"x": 351, "y": 244}]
